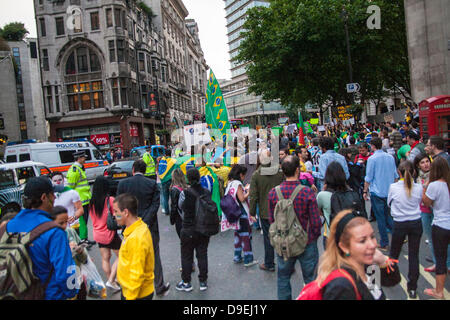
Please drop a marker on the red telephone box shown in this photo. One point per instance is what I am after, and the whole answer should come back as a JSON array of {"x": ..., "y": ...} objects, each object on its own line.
[{"x": 434, "y": 116}]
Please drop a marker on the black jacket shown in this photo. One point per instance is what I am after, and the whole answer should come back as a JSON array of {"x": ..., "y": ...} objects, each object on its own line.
[
  {"x": 342, "y": 289},
  {"x": 174, "y": 209},
  {"x": 188, "y": 207},
  {"x": 147, "y": 193}
]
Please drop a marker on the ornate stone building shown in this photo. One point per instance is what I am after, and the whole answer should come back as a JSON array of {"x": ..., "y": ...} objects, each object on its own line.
[{"x": 107, "y": 70}]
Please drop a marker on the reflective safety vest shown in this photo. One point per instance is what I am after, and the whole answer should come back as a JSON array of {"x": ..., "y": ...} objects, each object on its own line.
[
  {"x": 77, "y": 180},
  {"x": 151, "y": 167}
]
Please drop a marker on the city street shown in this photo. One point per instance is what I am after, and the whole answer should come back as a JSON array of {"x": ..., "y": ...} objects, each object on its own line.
[{"x": 229, "y": 281}]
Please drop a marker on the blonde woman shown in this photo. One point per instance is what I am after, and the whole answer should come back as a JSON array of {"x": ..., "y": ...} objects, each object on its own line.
[
  {"x": 351, "y": 247},
  {"x": 404, "y": 199}
]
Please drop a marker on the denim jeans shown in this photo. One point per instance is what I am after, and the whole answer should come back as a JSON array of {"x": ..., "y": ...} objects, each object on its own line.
[
  {"x": 308, "y": 262},
  {"x": 383, "y": 216},
  {"x": 269, "y": 253},
  {"x": 257, "y": 225},
  {"x": 427, "y": 219},
  {"x": 165, "y": 194}
]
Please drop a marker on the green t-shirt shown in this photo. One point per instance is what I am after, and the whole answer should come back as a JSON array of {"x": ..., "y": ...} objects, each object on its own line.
[{"x": 324, "y": 204}]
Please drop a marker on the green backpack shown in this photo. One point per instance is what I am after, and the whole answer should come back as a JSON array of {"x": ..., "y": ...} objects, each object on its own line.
[
  {"x": 17, "y": 280},
  {"x": 287, "y": 236}
]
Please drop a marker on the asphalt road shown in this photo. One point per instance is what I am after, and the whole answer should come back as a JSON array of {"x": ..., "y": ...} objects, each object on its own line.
[{"x": 229, "y": 281}]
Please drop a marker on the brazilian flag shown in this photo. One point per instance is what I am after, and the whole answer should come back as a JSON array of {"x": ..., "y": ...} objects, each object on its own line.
[
  {"x": 209, "y": 180},
  {"x": 165, "y": 167},
  {"x": 215, "y": 109}
]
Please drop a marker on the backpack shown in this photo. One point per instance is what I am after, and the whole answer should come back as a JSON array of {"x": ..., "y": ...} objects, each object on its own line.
[
  {"x": 207, "y": 220},
  {"x": 17, "y": 281},
  {"x": 230, "y": 208},
  {"x": 357, "y": 172},
  {"x": 286, "y": 234},
  {"x": 346, "y": 200},
  {"x": 312, "y": 291}
]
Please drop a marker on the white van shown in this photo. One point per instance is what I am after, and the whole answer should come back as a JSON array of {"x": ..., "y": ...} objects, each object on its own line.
[{"x": 58, "y": 156}]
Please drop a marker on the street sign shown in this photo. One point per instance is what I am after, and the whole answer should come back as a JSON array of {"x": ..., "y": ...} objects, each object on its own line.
[{"x": 353, "y": 87}]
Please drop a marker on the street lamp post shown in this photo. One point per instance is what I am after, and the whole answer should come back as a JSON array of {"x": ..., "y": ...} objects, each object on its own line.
[{"x": 344, "y": 16}]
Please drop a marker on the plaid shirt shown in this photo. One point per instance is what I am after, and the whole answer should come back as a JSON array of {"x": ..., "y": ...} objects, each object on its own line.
[{"x": 305, "y": 205}]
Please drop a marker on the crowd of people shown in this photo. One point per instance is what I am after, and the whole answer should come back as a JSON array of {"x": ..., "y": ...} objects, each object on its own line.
[{"x": 317, "y": 188}]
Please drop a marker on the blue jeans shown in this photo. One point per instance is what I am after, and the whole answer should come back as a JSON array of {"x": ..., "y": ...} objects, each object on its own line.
[
  {"x": 256, "y": 225},
  {"x": 383, "y": 216},
  {"x": 165, "y": 194},
  {"x": 308, "y": 262},
  {"x": 269, "y": 253},
  {"x": 427, "y": 219}
]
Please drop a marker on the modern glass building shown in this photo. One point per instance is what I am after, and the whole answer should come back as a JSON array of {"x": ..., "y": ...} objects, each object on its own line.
[{"x": 240, "y": 104}]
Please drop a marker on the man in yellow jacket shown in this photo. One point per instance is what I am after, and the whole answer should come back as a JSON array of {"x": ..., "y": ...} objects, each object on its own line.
[
  {"x": 150, "y": 172},
  {"x": 135, "y": 269}
]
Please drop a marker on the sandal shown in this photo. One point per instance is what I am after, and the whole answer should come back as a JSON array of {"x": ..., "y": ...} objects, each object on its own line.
[{"x": 432, "y": 293}]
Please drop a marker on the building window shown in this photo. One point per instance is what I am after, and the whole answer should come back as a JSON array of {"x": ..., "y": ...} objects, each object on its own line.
[
  {"x": 120, "y": 51},
  {"x": 42, "y": 25},
  {"x": 45, "y": 64},
  {"x": 49, "y": 99},
  {"x": 95, "y": 22},
  {"x": 87, "y": 93},
  {"x": 59, "y": 26},
  {"x": 109, "y": 20},
  {"x": 141, "y": 62},
  {"x": 115, "y": 92},
  {"x": 112, "y": 51},
  {"x": 33, "y": 50},
  {"x": 117, "y": 20},
  {"x": 57, "y": 99}
]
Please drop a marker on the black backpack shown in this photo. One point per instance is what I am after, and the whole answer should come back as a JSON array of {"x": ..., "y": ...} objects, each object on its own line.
[
  {"x": 357, "y": 173},
  {"x": 206, "y": 220},
  {"x": 346, "y": 200}
]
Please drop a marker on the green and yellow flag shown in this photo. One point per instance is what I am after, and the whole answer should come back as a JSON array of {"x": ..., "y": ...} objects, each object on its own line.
[{"x": 215, "y": 109}]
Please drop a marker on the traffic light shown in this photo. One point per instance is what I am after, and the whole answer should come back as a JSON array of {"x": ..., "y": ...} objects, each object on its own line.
[{"x": 3, "y": 139}]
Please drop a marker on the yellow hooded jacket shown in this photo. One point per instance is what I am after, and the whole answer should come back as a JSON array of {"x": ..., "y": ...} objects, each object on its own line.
[{"x": 135, "y": 270}]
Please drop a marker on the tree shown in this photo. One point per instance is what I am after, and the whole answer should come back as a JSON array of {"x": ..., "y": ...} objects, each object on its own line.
[
  {"x": 14, "y": 31},
  {"x": 295, "y": 51}
]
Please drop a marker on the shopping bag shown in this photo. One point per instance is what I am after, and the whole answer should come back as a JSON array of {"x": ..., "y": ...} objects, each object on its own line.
[{"x": 95, "y": 286}]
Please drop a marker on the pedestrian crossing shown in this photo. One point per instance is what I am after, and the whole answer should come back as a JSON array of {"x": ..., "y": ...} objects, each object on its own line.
[{"x": 430, "y": 279}]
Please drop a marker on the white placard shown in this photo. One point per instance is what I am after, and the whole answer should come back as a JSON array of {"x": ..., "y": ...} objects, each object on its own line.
[
  {"x": 291, "y": 128},
  {"x": 197, "y": 134},
  {"x": 321, "y": 128}
]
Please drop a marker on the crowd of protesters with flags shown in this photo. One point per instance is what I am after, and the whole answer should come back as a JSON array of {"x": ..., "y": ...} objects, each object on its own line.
[{"x": 296, "y": 183}]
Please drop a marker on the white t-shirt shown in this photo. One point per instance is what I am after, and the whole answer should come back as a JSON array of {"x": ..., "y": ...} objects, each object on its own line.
[
  {"x": 232, "y": 189},
  {"x": 67, "y": 200},
  {"x": 404, "y": 208},
  {"x": 438, "y": 192}
]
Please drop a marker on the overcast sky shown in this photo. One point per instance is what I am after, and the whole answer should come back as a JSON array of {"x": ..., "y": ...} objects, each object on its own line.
[{"x": 209, "y": 14}]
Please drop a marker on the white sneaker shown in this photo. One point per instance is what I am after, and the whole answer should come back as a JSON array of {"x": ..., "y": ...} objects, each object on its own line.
[{"x": 113, "y": 285}]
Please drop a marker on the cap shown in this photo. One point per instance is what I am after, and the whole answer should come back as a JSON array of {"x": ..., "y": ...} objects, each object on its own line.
[
  {"x": 37, "y": 186},
  {"x": 79, "y": 154}
]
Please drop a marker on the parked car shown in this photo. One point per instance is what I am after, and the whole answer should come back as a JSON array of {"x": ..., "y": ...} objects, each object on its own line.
[
  {"x": 118, "y": 171},
  {"x": 13, "y": 177}
]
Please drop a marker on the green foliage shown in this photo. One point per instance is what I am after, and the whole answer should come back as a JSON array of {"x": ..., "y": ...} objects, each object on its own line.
[
  {"x": 146, "y": 9},
  {"x": 14, "y": 31},
  {"x": 296, "y": 51}
]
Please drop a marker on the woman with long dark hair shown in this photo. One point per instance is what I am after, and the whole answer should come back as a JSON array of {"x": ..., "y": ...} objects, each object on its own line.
[
  {"x": 422, "y": 164},
  {"x": 178, "y": 185},
  {"x": 242, "y": 237},
  {"x": 404, "y": 199},
  {"x": 437, "y": 195},
  {"x": 334, "y": 181},
  {"x": 100, "y": 206}
]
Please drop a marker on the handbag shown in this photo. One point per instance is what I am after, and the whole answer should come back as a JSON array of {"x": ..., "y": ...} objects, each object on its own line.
[{"x": 111, "y": 222}]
